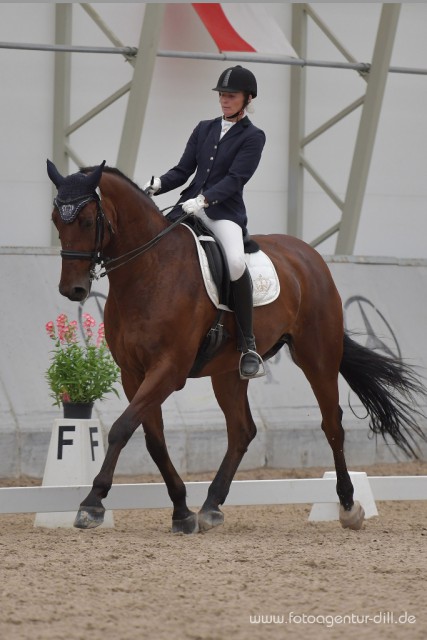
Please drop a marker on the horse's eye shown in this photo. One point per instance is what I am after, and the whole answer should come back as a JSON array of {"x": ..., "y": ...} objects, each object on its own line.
[{"x": 86, "y": 223}]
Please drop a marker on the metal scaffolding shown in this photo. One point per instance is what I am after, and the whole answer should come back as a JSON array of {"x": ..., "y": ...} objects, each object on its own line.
[
  {"x": 142, "y": 59},
  {"x": 371, "y": 102}
]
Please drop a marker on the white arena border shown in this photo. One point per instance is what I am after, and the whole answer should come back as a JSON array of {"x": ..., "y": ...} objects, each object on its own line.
[{"x": 242, "y": 493}]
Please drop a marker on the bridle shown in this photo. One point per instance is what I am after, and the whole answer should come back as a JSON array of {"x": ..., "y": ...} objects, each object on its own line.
[
  {"x": 97, "y": 257},
  {"x": 94, "y": 256}
]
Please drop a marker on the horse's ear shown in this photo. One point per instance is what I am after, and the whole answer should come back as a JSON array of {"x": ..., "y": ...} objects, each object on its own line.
[
  {"x": 92, "y": 180},
  {"x": 54, "y": 174}
]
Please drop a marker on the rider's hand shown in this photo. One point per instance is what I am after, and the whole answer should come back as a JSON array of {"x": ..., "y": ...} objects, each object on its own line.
[
  {"x": 194, "y": 204},
  {"x": 152, "y": 187}
]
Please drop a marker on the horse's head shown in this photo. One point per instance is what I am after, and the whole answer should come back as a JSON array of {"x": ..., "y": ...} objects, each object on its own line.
[{"x": 79, "y": 218}]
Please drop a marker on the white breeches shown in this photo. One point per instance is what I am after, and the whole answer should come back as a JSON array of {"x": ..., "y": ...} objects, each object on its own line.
[{"x": 230, "y": 236}]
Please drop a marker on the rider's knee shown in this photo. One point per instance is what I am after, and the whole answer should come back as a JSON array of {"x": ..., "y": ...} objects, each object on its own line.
[{"x": 236, "y": 266}]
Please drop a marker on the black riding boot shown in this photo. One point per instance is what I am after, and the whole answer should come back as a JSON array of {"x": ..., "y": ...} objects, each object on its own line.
[{"x": 251, "y": 364}]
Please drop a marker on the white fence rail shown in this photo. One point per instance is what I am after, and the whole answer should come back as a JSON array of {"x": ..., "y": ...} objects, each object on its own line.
[{"x": 242, "y": 492}]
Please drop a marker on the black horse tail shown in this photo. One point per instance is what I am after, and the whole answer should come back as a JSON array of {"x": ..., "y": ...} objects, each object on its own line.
[{"x": 388, "y": 388}]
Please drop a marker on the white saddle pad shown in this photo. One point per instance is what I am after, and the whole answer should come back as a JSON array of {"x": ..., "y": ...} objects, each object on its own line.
[{"x": 263, "y": 273}]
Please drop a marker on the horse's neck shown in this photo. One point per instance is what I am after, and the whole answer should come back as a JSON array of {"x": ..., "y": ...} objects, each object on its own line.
[
  {"x": 137, "y": 264},
  {"x": 137, "y": 223}
]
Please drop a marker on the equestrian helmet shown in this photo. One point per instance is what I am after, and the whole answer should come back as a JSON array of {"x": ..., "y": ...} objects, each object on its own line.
[{"x": 236, "y": 79}]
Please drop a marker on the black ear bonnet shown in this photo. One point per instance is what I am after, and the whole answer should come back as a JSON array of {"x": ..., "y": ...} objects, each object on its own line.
[{"x": 74, "y": 191}]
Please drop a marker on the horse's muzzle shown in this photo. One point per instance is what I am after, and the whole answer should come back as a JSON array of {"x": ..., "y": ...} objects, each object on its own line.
[{"x": 76, "y": 294}]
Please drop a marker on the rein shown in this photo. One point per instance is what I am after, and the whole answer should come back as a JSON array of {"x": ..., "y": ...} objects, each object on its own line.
[{"x": 110, "y": 264}]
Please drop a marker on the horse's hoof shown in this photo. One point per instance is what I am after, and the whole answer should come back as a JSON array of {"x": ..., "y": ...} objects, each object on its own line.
[
  {"x": 352, "y": 519},
  {"x": 89, "y": 517},
  {"x": 210, "y": 519},
  {"x": 187, "y": 525}
]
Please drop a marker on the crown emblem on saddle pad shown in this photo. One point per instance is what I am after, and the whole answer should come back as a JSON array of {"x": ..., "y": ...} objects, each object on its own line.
[{"x": 261, "y": 284}]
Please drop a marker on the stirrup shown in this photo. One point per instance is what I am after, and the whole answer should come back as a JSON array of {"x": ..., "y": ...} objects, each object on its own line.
[{"x": 261, "y": 368}]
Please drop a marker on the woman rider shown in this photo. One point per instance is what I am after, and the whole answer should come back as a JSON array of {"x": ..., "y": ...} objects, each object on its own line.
[{"x": 224, "y": 153}]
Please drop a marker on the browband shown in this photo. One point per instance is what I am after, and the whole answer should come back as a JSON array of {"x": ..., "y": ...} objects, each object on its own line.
[{"x": 69, "y": 209}]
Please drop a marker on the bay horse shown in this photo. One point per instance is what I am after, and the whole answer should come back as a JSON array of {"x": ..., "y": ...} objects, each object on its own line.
[{"x": 158, "y": 313}]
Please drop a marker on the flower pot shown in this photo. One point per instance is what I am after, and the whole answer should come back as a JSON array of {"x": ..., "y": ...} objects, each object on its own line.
[{"x": 78, "y": 410}]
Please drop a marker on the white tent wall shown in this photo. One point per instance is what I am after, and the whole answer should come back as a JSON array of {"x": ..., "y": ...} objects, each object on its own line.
[
  {"x": 395, "y": 204},
  {"x": 26, "y": 115}
]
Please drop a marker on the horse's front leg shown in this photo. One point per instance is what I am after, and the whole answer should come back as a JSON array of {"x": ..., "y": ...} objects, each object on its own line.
[
  {"x": 91, "y": 511},
  {"x": 183, "y": 520},
  {"x": 144, "y": 408},
  {"x": 231, "y": 393}
]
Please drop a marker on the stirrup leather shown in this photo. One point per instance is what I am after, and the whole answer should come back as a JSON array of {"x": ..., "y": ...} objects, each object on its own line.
[{"x": 261, "y": 368}]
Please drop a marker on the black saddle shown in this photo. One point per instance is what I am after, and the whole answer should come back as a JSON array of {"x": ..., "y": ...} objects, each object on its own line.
[{"x": 216, "y": 256}]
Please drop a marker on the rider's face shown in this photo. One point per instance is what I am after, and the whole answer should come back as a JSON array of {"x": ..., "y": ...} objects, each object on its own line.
[{"x": 231, "y": 103}]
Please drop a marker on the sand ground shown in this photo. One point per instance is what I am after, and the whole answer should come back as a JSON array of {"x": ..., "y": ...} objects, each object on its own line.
[{"x": 266, "y": 573}]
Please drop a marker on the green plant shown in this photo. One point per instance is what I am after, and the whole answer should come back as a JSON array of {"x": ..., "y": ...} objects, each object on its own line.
[{"x": 80, "y": 372}]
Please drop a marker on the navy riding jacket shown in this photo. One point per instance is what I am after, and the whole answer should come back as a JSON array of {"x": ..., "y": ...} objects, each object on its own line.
[{"x": 223, "y": 167}]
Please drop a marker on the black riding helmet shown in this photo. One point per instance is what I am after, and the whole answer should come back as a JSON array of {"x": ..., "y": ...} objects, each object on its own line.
[{"x": 236, "y": 79}]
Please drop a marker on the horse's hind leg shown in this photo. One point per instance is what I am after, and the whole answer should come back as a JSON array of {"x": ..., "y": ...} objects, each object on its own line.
[
  {"x": 231, "y": 393},
  {"x": 323, "y": 377},
  {"x": 351, "y": 512}
]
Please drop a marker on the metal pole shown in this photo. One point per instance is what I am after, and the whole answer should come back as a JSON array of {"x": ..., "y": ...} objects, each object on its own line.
[
  {"x": 131, "y": 52},
  {"x": 297, "y": 125},
  {"x": 332, "y": 121},
  {"x": 107, "y": 31},
  {"x": 68, "y": 48},
  {"x": 61, "y": 98},
  {"x": 367, "y": 129},
  {"x": 98, "y": 108},
  {"x": 140, "y": 89},
  {"x": 328, "y": 33}
]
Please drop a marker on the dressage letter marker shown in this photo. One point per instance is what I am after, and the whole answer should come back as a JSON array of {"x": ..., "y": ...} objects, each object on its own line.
[
  {"x": 75, "y": 455},
  {"x": 62, "y": 440},
  {"x": 93, "y": 443}
]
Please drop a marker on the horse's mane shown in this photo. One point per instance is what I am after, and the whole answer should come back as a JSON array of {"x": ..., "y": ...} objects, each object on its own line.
[{"x": 115, "y": 172}]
